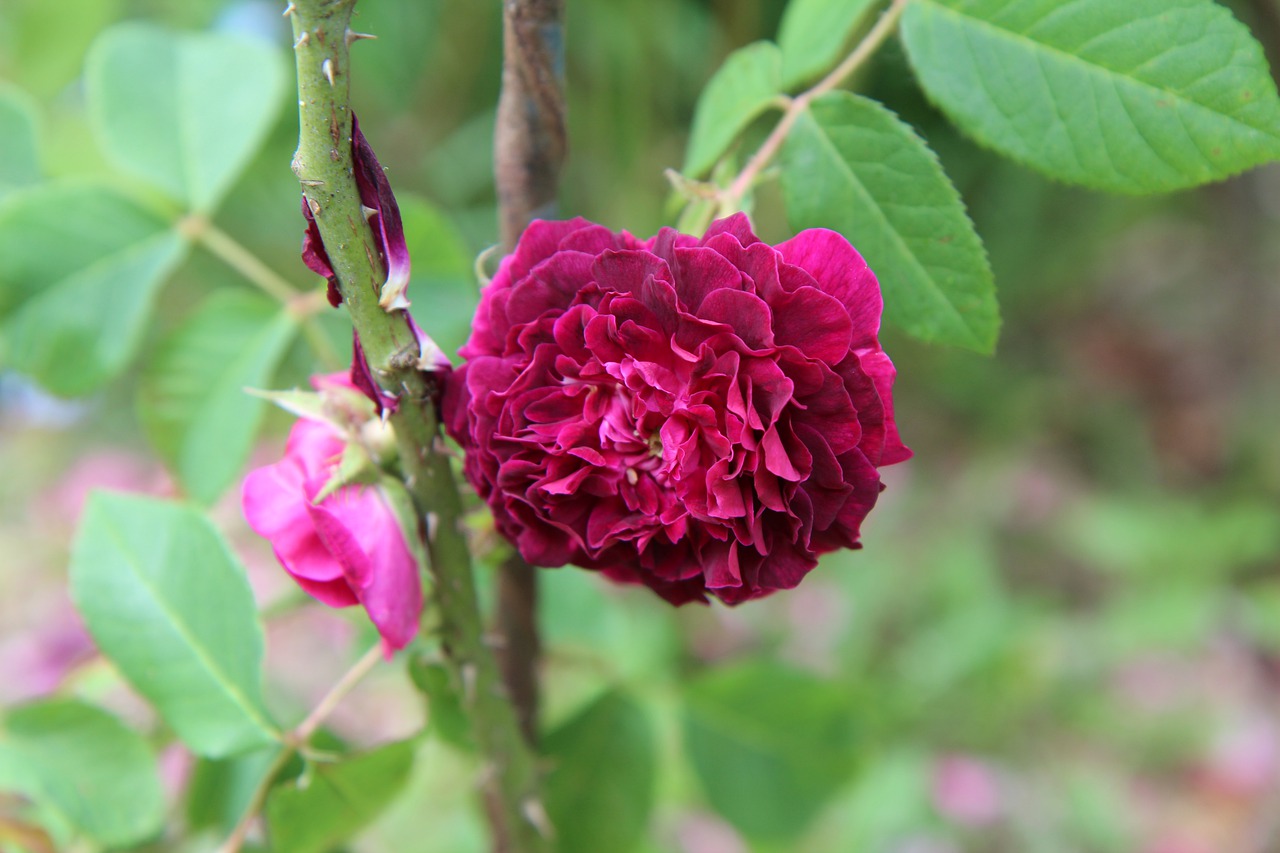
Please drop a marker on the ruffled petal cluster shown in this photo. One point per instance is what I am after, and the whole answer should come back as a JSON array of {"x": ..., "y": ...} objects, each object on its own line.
[
  {"x": 702, "y": 416},
  {"x": 344, "y": 550}
]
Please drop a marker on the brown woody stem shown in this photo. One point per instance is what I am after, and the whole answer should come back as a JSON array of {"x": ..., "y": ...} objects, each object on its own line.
[{"x": 529, "y": 149}]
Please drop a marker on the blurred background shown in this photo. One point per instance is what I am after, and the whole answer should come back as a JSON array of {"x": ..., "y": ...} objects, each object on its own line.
[{"x": 1063, "y": 633}]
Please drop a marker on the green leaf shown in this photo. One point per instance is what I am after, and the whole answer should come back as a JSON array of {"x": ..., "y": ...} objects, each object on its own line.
[
  {"x": 770, "y": 745},
  {"x": 600, "y": 787},
  {"x": 80, "y": 267},
  {"x": 1141, "y": 96},
  {"x": 169, "y": 604},
  {"x": 192, "y": 401},
  {"x": 333, "y": 801},
  {"x": 19, "y": 146},
  {"x": 443, "y": 288},
  {"x": 743, "y": 88},
  {"x": 42, "y": 47},
  {"x": 813, "y": 35},
  {"x": 391, "y": 69},
  {"x": 183, "y": 111},
  {"x": 88, "y": 767},
  {"x": 851, "y": 165}
]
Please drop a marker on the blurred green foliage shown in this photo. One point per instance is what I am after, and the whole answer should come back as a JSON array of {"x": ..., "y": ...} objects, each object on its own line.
[{"x": 1075, "y": 584}]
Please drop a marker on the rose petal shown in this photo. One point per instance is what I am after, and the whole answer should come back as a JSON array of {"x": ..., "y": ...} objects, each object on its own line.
[{"x": 841, "y": 272}]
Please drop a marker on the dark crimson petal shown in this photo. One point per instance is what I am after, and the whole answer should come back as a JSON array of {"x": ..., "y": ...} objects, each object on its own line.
[
  {"x": 700, "y": 272},
  {"x": 841, "y": 272},
  {"x": 877, "y": 365},
  {"x": 666, "y": 241},
  {"x": 385, "y": 404},
  {"x": 550, "y": 287},
  {"x": 627, "y": 271},
  {"x": 315, "y": 256},
  {"x": 539, "y": 241},
  {"x": 745, "y": 313},
  {"x": 375, "y": 194},
  {"x": 738, "y": 225},
  {"x": 593, "y": 240},
  {"x": 814, "y": 323}
]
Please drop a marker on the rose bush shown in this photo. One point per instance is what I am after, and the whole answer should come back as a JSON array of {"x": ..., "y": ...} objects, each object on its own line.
[
  {"x": 697, "y": 415},
  {"x": 345, "y": 549}
]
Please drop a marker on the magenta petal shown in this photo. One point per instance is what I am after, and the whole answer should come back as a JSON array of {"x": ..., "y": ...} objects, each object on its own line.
[
  {"x": 347, "y": 550},
  {"x": 271, "y": 504},
  {"x": 334, "y": 593},
  {"x": 841, "y": 272},
  {"x": 814, "y": 323},
  {"x": 739, "y": 225},
  {"x": 745, "y": 313},
  {"x": 539, "y": 241},
  {"x": 701, "y": 272},
  {"x": 626, "y": 272},
  {"x": 362, "y": 533}
]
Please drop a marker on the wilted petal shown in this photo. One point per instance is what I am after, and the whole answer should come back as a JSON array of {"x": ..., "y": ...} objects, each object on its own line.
[{"x": 315, "y": 256}]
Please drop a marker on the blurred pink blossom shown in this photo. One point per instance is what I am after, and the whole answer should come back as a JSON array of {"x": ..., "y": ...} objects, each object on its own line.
[
  {"x": 966, "y": 791},
  {"x": 35, "y": 663}
]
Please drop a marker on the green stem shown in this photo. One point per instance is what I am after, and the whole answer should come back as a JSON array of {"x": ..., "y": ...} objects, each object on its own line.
[
  {"x": 297, "y": 741},
  {"x": 302, "y": 305},
  {"x": 324, "y": 167},
  {"x": 731, "y": 198}
]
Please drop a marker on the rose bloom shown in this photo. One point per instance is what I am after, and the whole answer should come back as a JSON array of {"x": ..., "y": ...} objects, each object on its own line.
[
  {"x": 347, "y": 549},
  {"x": 699, "y": 416}
]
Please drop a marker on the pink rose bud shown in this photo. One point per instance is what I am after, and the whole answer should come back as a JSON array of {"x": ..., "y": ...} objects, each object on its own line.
[
  {"x": 696, "y": 415},
  {"x": 346, "y": 549}
]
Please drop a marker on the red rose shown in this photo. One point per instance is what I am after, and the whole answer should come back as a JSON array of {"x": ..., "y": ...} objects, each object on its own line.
[{"x": 694, "y": 415}]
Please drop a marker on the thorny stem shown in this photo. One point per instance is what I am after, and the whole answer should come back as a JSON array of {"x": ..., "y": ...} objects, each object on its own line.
[
  {"x": 303, "y": 306},
  {"x": 297, "y": 740},
  {"x": 731, "y": 198},
  {"x": 324, "y": 167},
  {"x": 529, "y": 149}
]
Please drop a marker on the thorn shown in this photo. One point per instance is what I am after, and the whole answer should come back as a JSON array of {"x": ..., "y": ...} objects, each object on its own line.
[
  {"x": 536, "y": 814},
  {"x": 433, "y": 522},
  {"x": 314, "y": 205},
  {"x": 310, "y": 183},
  {"x": 353, "y": 36},
  {"x": 327, "y": 68},
  {"x": 289, "y": 10},
  {"x": 369, "y": 212},
  {"x": 302, "y": 40}
]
